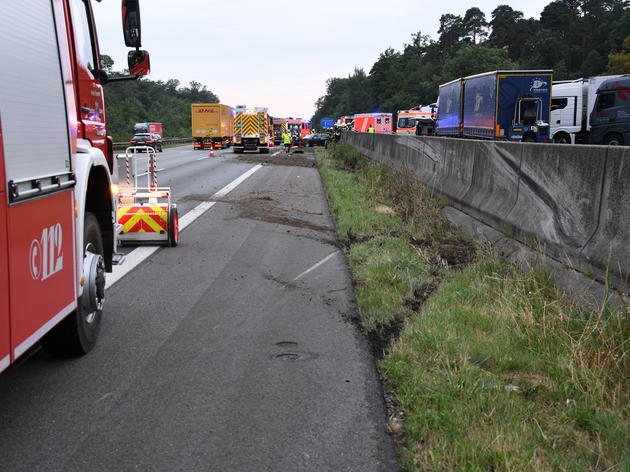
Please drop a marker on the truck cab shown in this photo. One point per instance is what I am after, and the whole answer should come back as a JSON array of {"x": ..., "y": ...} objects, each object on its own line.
[
  {"x": 610, "y": 118},
  {"x": 57, "y": 231}
]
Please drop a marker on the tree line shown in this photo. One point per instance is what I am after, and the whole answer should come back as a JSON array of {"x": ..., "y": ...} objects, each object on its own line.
[
  {"x": 575, "y": 38},
  {"x": 144, "y": 100}
]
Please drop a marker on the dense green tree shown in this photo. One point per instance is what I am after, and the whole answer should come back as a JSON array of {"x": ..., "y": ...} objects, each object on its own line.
[
  {"x": 474, "y": 24},
  {"x": 146, "y": 100},
  {"x": 451, "y": 30}
]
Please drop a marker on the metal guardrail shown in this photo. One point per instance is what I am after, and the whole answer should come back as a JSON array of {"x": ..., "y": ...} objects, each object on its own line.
[{"x": 125, "y": 144}]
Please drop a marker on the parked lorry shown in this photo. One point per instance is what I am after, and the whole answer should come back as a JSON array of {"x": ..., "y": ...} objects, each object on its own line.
[
  {"x": 573, "y": 110},
  {"x": 153, "y": 128},
  {"x": 382, "y": 122},
  {"x": 212, "y": 125},
  {"x": 57, "y": 231},
  {"x": 252, "y": 130},
  {"x": 509, "y": 105},
  {"x": 418, "y": 120}
]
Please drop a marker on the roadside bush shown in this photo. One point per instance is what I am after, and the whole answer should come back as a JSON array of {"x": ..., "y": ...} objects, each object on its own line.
[{"x": 347, "y": 155}]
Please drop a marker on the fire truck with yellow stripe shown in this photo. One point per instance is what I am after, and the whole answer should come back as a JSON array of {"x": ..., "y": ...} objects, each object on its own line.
[
  {"x": 253, "y": 130},
  {"x": 57, "y": 211}
]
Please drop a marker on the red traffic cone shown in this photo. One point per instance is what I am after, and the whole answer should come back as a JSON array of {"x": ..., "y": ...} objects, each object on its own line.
[{"x": 211, "y": 152}]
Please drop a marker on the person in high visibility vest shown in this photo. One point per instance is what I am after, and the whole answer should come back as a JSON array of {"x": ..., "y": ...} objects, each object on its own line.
[
  {"x": 286, "y": 139},
  {"x": 371, "y": 129}
]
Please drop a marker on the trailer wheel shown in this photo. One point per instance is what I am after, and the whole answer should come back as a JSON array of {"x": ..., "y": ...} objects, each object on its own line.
[
  {"x": 173, "y": 226},
  {"x": 613, "y": 139},
  {"x": 77, "y": 333}
]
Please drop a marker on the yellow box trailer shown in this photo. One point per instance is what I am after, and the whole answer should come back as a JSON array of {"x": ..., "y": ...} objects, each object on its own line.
[{"x": 212, "y": 125}]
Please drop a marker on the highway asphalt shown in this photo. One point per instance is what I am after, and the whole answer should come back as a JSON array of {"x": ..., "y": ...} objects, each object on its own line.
[{"x": 234, "y": 351}]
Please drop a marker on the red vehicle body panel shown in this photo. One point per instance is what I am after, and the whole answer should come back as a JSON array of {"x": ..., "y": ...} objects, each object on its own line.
[
  {"x": 88, "y": 93},
  {"x": 42, "y": 260},
  {"x": 155, "y": 128},
  {"x": 382, "y": 122},
  {"x": 5, "y": 325}
]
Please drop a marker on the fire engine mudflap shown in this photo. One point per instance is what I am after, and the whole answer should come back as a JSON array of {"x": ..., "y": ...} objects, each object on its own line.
[{"x": 146, "y": 214}]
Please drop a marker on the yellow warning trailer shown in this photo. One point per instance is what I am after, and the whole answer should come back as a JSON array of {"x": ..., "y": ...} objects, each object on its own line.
[
  {"x": 212, "y": 125},
  {"x": 253, "y": 130}
]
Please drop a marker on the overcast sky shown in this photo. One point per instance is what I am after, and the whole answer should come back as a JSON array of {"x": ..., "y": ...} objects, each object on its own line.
[{"x": 275, "y": 54}]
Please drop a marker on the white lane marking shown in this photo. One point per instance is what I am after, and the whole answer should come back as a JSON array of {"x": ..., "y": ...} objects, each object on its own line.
[
  {"x": 315, "y": 266},
  {"x": 276, "y": 153},
  {"x": 159, "y": 169},
  {"x": 139, "y": 254},
  {"x": 33, "y": 338},
  {"x": 4, "y": 363}
]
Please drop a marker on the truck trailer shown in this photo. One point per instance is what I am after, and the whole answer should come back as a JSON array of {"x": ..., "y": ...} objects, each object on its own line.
[
  {"x": 509, "y": 105},
  {"x": 155, "y": 128},
  {"x": 212, "y": 125},
  {"x": 382, "y": 122},
  {"x": 253, "y": 130},
  {"x": 572, "y": 106},
  {"x": 57, "y": 208}
]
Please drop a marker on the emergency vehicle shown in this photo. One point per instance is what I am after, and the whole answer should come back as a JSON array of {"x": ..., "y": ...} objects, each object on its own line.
[
  {"x": 279, "y": 127},
  {"x": 417, "y": 120},
  {"x": 382, "y": 122},
  {"x": 252, "y": 130},
  {"x": 57, "y": 230}
]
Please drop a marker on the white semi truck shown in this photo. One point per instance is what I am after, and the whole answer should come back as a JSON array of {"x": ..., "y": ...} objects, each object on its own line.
[{"x": 572, "y": 103}]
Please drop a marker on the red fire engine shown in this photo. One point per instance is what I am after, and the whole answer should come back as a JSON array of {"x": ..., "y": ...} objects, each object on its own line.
[{"x": 57, "y": 230}]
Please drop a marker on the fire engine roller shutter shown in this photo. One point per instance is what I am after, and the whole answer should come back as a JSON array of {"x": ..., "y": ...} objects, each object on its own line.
[{"x": 32, "y": 102}]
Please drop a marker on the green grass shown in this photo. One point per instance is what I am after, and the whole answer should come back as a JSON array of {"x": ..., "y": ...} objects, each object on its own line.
[{"x": 493, "y": 368}]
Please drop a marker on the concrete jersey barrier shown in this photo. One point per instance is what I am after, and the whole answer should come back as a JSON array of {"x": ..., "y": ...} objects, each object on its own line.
[{"x": 571, "y": 201}]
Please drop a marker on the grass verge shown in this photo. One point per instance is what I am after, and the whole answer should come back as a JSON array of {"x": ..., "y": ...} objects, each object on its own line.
[{"x": 490, "y": 368}]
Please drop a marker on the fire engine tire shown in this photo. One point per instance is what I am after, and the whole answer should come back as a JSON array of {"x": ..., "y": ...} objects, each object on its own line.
[
  {"x": 77, "y": 333},
  {"x": 173, "y": 226},
  {"x": 613, "y": 139}
]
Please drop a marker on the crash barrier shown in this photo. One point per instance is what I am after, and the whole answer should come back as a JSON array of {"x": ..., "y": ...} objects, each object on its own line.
[
  {"x": 571, "y": 201},
  {"x": 124, "y": 145}
]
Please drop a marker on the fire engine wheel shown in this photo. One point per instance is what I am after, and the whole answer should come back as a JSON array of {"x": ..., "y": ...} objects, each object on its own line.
[
  {"x": 173, "y": 226},
  {"x": 77, "y": 333}
]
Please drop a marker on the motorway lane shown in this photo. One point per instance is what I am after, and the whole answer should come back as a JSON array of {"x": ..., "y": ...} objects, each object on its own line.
[{"x": 233, "y": 351}]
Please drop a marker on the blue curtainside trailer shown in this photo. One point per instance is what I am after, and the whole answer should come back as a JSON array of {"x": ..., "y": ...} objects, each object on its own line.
[
  {"x": 450, "y": 108},
  {"x": 501, "y": 105}
]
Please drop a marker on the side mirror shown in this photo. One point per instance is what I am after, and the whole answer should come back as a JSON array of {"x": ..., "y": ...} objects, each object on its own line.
[
  {"x": 131, "y": 23},
  {"x": 138, "y": 62}
]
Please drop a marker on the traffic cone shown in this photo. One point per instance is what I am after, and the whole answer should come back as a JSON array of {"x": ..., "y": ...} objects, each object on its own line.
[{"x": 211, "y": 152}]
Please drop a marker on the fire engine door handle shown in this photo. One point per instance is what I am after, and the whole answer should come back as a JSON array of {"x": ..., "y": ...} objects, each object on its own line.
[{"x": 86, "y": 110}]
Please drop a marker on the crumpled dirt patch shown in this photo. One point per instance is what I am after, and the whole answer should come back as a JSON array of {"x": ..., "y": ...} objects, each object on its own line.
[
  {"x": 422, "y": 294},
  {"x": 381, "y": 337},
  {"x": 295, "y": 160},
  {"x": 452, "y": 253},
  {"x": 262, "y": 207}
]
